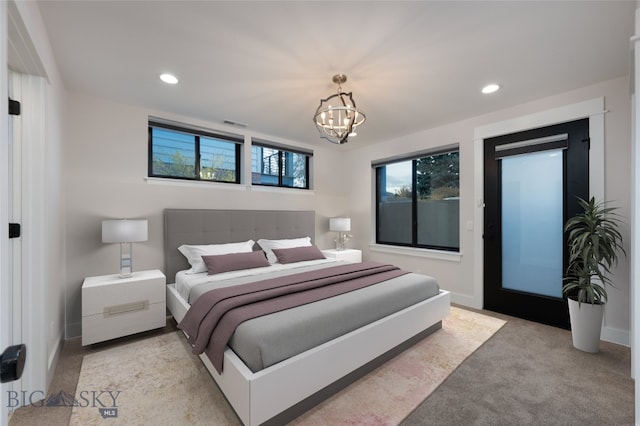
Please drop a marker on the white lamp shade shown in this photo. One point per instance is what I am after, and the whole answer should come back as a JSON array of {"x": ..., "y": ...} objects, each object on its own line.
[
  {"x": 124, "y": 231},
  {"x": 340, "y": 224}
]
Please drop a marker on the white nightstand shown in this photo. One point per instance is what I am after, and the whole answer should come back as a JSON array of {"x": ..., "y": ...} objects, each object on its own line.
[
  {"x": 115, "y": 307},
  {"x": 351, "y": 255}
]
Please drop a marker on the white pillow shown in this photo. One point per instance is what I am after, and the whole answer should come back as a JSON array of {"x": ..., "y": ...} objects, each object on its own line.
[
  {"x": 194, "y": 253},
  {"x": 267, "y": 245}
]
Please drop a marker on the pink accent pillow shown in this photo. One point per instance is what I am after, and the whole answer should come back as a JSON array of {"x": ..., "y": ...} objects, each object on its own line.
[
  {"x": 298, "y": 254},
  {"x": 216, "y": 264}
]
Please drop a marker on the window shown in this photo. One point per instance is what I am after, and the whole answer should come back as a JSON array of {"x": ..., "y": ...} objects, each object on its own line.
[
  {"x": 274, "y": 166},
  {"x": 184, "y": 153},
  {"x": 418, "y": 201}
]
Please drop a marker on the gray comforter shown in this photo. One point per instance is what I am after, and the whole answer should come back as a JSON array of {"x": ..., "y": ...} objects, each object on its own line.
[{"x": 267, "y": 340}]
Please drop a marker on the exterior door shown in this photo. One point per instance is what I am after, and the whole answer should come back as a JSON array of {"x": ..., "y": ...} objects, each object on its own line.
[{"x": 531, "y": 182}]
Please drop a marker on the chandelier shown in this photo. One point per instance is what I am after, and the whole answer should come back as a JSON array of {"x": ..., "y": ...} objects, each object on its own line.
[{"x": 337, "y": 117}]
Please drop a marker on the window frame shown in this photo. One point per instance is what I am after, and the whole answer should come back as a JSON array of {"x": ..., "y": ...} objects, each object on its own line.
[
  {"x": 197, "y": 133},
  {"x": 281, "y": 172},
  {"x": 377, "y": 166}
]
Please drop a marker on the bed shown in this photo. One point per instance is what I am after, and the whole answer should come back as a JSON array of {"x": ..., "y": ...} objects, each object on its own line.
[{"x": 277, "y": 391}]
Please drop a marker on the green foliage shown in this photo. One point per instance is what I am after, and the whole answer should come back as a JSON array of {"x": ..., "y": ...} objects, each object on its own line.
[
  {"x": 436, "y": 172},
  {"x": 404, "y": 192},
  {"x": 181, "y": 166},
  {"x": 215, "y": 171},
  {"x": 437, "y": 178},
  {"x": 594, "y": 243},
  {"x": 178, "y": 166},
  {"x": 444, "y": 192}
]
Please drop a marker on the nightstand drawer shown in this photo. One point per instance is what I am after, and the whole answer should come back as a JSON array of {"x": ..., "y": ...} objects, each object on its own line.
[
  {"x": 122, "y": 320},
  {"x": 350, "y": 255},
  {"x": 101, "y": 292},
  {"x": 114, "y": 307}
]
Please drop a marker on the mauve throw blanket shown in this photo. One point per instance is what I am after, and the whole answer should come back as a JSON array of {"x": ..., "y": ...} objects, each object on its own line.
[{"x": 213, "y": 318}]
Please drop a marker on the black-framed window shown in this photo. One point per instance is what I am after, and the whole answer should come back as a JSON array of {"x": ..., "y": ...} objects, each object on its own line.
[
  {"x": 184, "y": 153},
  {"x": 418, "y": 201},
  {"x": 276, "y": 166}
]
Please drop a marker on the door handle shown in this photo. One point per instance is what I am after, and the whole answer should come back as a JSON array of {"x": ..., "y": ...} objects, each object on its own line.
[{"x": 12, "y": 363}]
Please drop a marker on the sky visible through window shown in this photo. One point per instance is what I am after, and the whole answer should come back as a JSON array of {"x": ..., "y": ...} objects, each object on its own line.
[{"x": 398, "y": 176}]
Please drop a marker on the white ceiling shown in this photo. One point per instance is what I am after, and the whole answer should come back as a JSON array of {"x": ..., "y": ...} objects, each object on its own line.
[{"x": 411, "y": 65}]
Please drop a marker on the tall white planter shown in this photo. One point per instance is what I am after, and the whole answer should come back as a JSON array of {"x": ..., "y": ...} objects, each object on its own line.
[{"x": 586, "y": 323}]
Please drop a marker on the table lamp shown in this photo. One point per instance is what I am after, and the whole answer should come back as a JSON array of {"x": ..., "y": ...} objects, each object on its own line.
[
  {"x": 125, "y": 232},
  {"x": 341, "y": 225}
]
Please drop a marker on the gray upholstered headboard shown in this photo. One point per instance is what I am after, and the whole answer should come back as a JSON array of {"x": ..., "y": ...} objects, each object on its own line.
[{"x": 189, "y": 226}]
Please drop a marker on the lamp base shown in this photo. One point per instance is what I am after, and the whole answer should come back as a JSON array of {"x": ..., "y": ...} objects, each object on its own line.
[
  {"x": 340, "y": 241},
  {"x": 125, "y": 260}
]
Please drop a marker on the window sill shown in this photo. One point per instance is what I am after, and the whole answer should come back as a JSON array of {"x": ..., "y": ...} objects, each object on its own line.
[
  {"x": 196, "y": 184},
  {"x": 417, "y": 252},
  {"x": 226, "y": 186},
  {"x": 280, "y": 189}
]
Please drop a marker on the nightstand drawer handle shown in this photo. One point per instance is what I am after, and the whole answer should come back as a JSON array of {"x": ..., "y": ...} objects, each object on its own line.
[{"x": 111, "y": 311}]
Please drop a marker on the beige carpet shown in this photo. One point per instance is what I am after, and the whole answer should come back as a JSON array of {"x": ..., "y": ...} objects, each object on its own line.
[{"x": 158, "y": 382}]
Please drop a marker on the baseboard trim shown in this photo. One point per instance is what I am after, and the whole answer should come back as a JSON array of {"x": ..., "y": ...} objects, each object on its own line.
[
  {"x": 609, "y": 334},
  {"x": 54, "y": 356},
  {"x": 616, "y": 335},
  {"x": 73, "y": 329},
  {"x": 465, "y": 300}
]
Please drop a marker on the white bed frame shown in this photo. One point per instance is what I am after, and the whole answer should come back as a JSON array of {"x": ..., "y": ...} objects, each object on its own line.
[
  {"x": 258, "y": 397},
  {"x": 288, "y": 388}
]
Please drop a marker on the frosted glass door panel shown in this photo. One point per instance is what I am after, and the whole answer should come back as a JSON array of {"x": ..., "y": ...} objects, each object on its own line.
[{"x": 532, "y": 223}]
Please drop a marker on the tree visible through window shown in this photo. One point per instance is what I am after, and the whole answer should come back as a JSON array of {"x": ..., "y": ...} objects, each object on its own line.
[
  {"x": 438, "y": 176},
  {"x": 182, "y": 153},
  {"x": 418, "y": 202}
]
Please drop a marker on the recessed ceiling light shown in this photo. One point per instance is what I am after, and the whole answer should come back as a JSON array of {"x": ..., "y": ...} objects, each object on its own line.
[
  {"x": 490, "y": 88},
  {"x": 169, "y": 78}
]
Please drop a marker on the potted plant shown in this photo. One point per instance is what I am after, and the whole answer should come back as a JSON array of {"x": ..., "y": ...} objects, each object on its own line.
[{"x": 594, "y": 243}]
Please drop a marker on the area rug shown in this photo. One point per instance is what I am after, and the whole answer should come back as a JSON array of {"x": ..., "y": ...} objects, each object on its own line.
[{"x": 157, "y": 381}]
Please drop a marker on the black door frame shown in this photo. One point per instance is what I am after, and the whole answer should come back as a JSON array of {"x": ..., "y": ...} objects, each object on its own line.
[{"x": 544, "y": 309}]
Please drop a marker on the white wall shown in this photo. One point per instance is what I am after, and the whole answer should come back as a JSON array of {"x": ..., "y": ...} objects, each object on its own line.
[
  {"x": 53, "y": 223},
  {"x": 457, "y": 273},
  {"x": 106, "y": 155}
]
